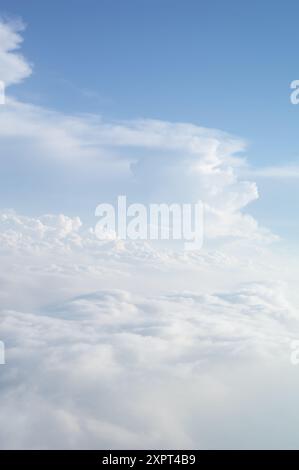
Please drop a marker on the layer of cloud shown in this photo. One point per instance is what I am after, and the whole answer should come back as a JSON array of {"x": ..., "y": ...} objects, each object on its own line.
[
  {"x": 108, "y": 370},
  {"x": 153, "y": 364}
]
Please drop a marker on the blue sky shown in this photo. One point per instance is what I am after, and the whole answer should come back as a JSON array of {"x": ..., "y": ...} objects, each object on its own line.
[
  {"x": 225, "y": 65},
  {"x": 220, "y": 64}
]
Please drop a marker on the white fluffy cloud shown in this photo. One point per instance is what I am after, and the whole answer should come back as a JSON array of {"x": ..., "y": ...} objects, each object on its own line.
[
  {"x": 149, "y": 161},
  {"x": 90, "y": 365},
  {"x": 108, "y": 370}
]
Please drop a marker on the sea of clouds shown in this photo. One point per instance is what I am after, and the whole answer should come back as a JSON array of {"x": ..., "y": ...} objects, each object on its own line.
[{"x": 124, "y": 344}]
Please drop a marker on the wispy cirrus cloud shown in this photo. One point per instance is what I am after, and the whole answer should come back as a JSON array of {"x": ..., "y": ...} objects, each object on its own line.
[
  {"x": 272, "y": 172},
  {"x": 13, "y": 66}
]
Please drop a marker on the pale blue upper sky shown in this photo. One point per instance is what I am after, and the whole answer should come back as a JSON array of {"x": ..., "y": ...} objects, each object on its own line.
[{"x": 226, "y": 65}]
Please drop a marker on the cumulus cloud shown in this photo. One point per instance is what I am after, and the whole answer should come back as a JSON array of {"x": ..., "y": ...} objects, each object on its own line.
[
  {"x": 111, "y": 370},
  {"x": 151, "y": 364},
  {"x": 149, "y": 161}
]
